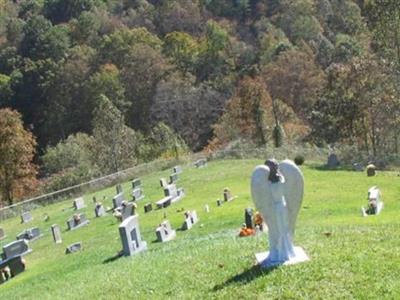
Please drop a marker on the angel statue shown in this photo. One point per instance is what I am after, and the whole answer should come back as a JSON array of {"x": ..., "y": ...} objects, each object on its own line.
[{"x": 277, "y": 192}]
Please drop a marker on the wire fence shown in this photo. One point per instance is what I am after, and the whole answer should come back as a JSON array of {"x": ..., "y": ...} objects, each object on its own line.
[{"x": 237, "y": 151}]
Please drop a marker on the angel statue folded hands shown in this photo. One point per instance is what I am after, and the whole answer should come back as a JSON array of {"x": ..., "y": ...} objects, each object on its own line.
[{"x": 277, "y": 191}]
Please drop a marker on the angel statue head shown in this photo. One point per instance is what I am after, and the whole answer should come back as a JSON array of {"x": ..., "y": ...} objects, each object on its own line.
[{"x": 274, "y": 174}]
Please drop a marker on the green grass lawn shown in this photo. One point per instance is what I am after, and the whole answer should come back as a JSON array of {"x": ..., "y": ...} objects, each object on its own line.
[{"x": 359, "y": 260}]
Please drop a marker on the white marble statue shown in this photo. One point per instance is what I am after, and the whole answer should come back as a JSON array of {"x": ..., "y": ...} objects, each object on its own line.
[{"x": 277, "y": 192}]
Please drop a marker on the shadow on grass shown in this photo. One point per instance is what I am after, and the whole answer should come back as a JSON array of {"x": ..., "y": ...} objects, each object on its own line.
[
  {"x": 245, "y": 277},
  {"x": 113, "y": 258}
]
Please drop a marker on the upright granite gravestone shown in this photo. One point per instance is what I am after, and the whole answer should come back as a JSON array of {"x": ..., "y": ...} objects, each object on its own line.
[
  {"x": 137, "y": 194},
  {"x": 30, "y": 234},
  {"x": 79, "y": 203},
  {"x": 2, "y": 234},
  {"x": 163, "y": 182},
  {"x": 136, "y": 183},
  {"x": 148, "y": 208},
  {"x": 77, "y": 221},
  {"x": 333, "y": 161},
  {"x": 117, "y": 200},
  {"x": 228, "y": 195},
  {"x": 130, "y": 236},
  {"x": 358, "y": 167},
  {"x": 128, "y": 209},
  {"x": 26, "y": 217},
  {"x": 16, "y": 248},
  {"x": 177, "y": 169},
  {"x": 190, "y": 219},
  {"x": 248, "y": 218},
  {"x": 371, "y": 170},
  {"x": 277, "y": 191},
  {"x": 14, "y": 265},
  {"x": 164, "y": 232},
  {"x": 173, "y": 178},
  {"x": 99, "y": 210},
  {"x": 118, "y": 188},
  {"x": 56, "y": 232}
]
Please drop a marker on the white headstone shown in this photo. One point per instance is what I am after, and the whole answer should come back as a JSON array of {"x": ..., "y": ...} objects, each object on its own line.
[
  {"x": 56, "y": 232},
  {"x": 164, "y": 232},
  {"x": 79, "y": 203},
  {"x": 26, "y": 217}
]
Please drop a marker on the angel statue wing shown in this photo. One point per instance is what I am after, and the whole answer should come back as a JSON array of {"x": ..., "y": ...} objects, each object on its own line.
[
  {"x": 293, "y": 190},
  {"x": 262, "y": 196}
]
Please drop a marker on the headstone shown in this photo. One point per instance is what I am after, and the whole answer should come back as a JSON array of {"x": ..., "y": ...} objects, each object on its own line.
[
  {"x": 173, "y": 178},
  {"x": 163, "y": 182},
  {"x": 219, "y": 202},
  {"x": 30, "y": 234},
  {"x": 79, "y": 203},
  {"x": 77, "y": 221},
  {"x": 15, "y": 248},
  {"x": 248, "y": 218},
  {"x": 136, "y": 183},
  {"x": 375, "y": 204},
  {"x": 228, "y": 195},
  {"x": 130, "y": 236},
  {"x": 117, "y": 200},
  {"x": 99, "y": 210},
  {"x": 358, "y": 167},
  {"x": 26, "y": 217},
  {"x": 200, "y": 163},
  {"x": 2, "y": 234},
  {"x": 175, "y": 193},
  {"x": 277, "y": 190},
  {"x": 15, "y": 265},
  {"x": 206, "y": 208},
  {"x": 177, "y": 169},
  {"x": 148, "y": 208},
  {"x": 56, "y": 232},
  {"x": 164, "y": 232},
  {"x": 118, "y": 188},
  {"x": 128, "y": 209},
  {"x": 371, "y": 170},
  {"x": 74, "y": 248},
  {"x": 190, "y": 219},
  {"x": 333, "y": 161},
  {"x": 137, "y": 194},
  {"x": 164, "y": 202}
]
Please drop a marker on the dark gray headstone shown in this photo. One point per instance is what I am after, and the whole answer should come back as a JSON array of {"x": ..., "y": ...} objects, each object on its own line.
[
  {"x": 117, "y": 200},
  {"x": 15, "y": 248},
  {"x": 333, "y": 161},
  {"x": 128, "y": 210},
  {"x": 99, "y": 210},
  {"x": 248, "y": 217},
  {"x": 26, "y": 217},
  {"x": 118, "y": 188},
  {"x": 177, "y": 169},
  {"x": 73, "y": 248},
  {"x": 358, "y": 167},
  {"x": 76, "y": 222},
  {"x": 148, "y": 208},
  {"x": 56, "y": 232},
  {"x": 136, "y": 183},
  {"x": 130, "y": 236},
  {"x": 16, "y": 266},
  {"x": 79, "y": 203},
  {"x": 227, "y": 195},
  {"x": 164, "y": 232},
  {"x": 219, "y": 202},
  {"x": 30, "y": 234},
  {"x": 371, "y": 170}
]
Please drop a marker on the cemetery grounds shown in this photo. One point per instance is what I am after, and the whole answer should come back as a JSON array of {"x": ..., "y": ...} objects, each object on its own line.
[{"x": 351, "y": 257}]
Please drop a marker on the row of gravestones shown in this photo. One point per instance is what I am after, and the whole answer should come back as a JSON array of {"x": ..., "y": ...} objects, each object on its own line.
[
  {"x": 333, "y": 162},
  {"x": 129, "y": 229}
]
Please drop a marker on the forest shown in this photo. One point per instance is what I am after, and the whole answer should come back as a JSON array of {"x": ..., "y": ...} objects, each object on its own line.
[{"x": 90, "y": 87}]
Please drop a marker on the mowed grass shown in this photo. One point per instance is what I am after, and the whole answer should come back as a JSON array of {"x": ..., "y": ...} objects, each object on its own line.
[{"x": 351, "y": 257}]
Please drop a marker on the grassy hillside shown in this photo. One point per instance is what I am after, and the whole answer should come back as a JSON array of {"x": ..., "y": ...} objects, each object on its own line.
[{"x": 360, "y": 259}]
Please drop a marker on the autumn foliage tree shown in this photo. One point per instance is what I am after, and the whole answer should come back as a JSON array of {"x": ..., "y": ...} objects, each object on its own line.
[{"x": 17, "y": 148}]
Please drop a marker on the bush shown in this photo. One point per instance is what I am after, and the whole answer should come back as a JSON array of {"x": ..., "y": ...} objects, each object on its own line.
[{"x": 299, "y": 160}]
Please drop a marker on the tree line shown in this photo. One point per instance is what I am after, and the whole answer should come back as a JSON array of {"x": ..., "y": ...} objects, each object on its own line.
[{"x": 99, "y": 85}]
